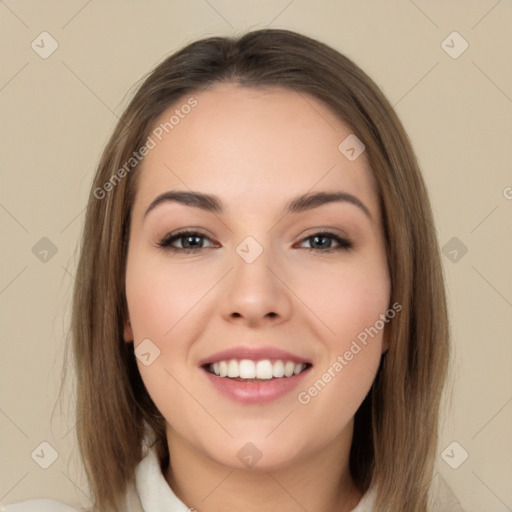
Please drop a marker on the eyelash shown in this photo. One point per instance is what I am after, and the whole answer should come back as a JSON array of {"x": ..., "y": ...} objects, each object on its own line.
[{"x": 165, "y": 244}]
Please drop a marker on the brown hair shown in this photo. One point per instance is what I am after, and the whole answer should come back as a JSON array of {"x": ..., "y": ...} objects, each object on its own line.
[{"x": 396, "y": 427}]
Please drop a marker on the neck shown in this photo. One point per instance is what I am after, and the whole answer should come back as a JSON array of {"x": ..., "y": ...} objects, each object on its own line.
[{"x": 319, "y": 482}]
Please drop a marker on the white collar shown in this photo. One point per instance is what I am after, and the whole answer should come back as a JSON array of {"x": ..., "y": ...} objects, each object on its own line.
[
  {"x": 157, "y": 496},
  {"x": 154, "y": 492}
]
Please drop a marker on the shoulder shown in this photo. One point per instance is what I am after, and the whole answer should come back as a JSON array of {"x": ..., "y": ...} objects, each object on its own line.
[{"x": 42, "y": 505}]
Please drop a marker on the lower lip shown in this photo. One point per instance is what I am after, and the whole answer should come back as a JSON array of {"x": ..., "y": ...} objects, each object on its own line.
[{"x": 255, "y": 392}]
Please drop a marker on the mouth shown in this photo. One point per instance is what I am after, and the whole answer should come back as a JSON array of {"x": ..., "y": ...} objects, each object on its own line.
[
  {"x": 248, "y": 370},
  {"x": 255, "y": 375}
]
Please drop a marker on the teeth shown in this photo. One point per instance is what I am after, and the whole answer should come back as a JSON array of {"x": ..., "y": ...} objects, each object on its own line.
[
  {"x": 233, "y": 369},
  {"x": 264, "y": 369},
  {"x": 289, "y": 367},
  {"x": 278, "y": 369},
  {"x": 247, "y": 369}
]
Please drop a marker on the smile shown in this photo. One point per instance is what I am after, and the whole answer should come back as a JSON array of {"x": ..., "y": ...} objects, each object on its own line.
[{"x": 264, "y": 369}]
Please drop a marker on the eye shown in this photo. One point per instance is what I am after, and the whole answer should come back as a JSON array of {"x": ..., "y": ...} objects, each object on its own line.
[
  {"x": 190, "y": 241},
  {"x": 322, "y": 242}
]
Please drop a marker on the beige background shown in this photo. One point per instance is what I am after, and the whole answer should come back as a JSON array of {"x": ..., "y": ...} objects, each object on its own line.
[{"x": 59, "y": 111}]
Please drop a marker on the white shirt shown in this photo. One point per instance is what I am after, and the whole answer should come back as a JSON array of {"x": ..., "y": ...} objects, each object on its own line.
[{"x": 153, "y": 491}]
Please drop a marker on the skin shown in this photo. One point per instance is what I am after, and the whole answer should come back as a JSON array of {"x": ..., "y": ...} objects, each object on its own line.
[{"x": 255, "y": 149}]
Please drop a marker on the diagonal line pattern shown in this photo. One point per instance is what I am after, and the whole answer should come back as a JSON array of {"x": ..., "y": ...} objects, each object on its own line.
[
  {"x": 80, "y": 80},
  {"x": 73, "y": 220},
  {"x": 424, "y": 14},
  {"x": 492, "y": 81},
  {"x": 14, "y": 218},
  {"x": 14, "y": 76},
  {"x": 280, "y": 12},
  {"x": 503, "y": 407},
  {"x": 14, "y": 423},
  {"x": 76, "y": 14},
  {"x": 216, "y": 487},
  {"x": 485, "y": 15},
  {"x": 303, "y": 97},
  {"x": 13, "y": 13},
  {"x": 13, "y": 279},
  {"x": 492, "y": 211},
  {"x": 497, "y": 497},
  {"x": 280, "y": 423},
  {"x": 285, "y": 490},
  {"x": 11, "y": 489},
  {"x": 494, "y": 288},
  {"x": 416, "y": 84},
  {"x": 211, "y": 6},
  {"x": 77, "y": 486}
]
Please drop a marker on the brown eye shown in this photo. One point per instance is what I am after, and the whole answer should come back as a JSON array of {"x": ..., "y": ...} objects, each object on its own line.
[{"x": 188, "y": 241}]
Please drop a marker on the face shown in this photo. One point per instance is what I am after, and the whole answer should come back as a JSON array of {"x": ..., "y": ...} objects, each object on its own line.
[{"x": 254, "y": 323}]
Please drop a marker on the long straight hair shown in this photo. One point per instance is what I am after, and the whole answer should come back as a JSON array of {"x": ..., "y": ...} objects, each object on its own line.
[{"x": 395, "y": 430}]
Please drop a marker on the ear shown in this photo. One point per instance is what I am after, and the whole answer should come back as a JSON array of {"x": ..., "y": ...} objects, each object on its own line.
[{"x": 128, "y": 332}]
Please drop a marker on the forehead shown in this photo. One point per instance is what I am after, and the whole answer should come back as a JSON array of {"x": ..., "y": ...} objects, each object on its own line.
[{"x": 249, "y": 145}]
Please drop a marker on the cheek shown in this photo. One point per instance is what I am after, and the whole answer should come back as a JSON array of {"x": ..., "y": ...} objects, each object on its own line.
[
  {"x": 165, "y": 305},
  {"x": 347, "y": 300},
  {"x": 334, "y": 395},
  {"x": 158, "y": 299},
  {"x": 161, "y": 308},
  {"x": 350, "y": 302}
]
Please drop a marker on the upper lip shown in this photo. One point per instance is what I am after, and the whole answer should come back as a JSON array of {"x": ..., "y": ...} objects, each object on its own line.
[{"x": 252, "y": 353}]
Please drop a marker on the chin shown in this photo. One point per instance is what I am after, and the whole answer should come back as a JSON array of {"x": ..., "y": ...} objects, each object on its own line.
[{"x": 256, "y": 455}]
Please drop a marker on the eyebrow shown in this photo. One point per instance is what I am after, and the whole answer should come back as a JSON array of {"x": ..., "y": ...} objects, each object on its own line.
[{"x": 211, "y": 203}]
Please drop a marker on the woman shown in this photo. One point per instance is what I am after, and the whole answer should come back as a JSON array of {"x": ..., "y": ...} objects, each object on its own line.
[{"x": 259, "y": 321}]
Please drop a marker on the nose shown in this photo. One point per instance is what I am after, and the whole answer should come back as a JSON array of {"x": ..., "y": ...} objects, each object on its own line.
[{"x": 255, "y": 294}]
